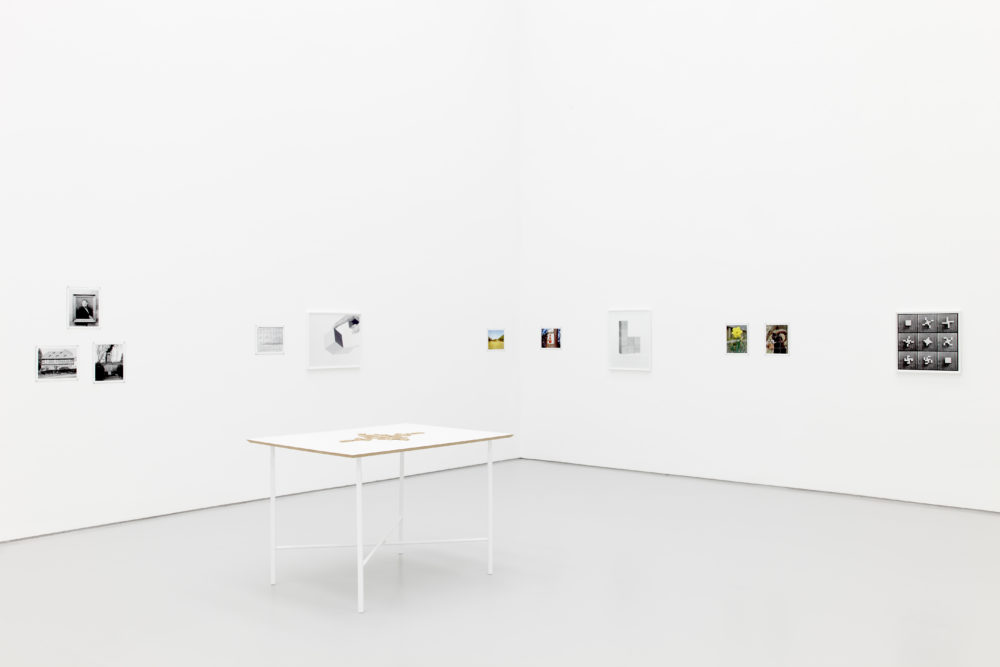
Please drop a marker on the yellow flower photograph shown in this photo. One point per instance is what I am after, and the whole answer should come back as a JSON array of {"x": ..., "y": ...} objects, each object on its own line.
[{"x": 736, "y": 338}]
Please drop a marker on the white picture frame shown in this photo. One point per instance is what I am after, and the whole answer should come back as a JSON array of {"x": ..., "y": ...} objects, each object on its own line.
[
  {"x": 630, "y": 339},
  {"x": 269, "y": 339},
  {"x": 334, "y": 339},
  {"x": 78, "y": 298}
]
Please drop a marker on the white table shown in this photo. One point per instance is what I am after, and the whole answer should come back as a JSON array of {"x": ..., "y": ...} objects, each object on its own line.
[{"x": 375, "y": 441}]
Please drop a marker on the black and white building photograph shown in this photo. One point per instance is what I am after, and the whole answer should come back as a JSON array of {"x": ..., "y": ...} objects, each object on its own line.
[
  {"x": 56, "y": 363},
  {"x": 109, "y": 362}
]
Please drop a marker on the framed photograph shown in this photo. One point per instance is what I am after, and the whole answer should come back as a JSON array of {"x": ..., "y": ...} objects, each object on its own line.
[
  {"x": 270, "y": 339},
  {"x": 83, "y": 307},
  {"x": 551, "y": 338},
  {"x": 736, "y": 338},
  {"x": 109, "y": 362},
  {"x": 334, "y": 340},
  {"x": 776, "y": 339},
  {"x": 630, "y": 340},
  {"x": 57, "y": 362},
  {"x": 928, "y": 341},
  {"x": 494, "y": 339}
]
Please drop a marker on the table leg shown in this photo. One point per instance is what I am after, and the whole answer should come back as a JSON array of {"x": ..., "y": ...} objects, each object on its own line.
[
  {"x": 402, "y": 497},
  {"x": 360, "y": 536},
  {"x": 274, "y": 520},
  {"x": 489, "y": 507}
]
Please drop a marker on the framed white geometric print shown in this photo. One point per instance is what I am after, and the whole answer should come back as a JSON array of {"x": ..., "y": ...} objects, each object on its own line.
[
  {"x": 630, "y": 340},
  {"x": 334, "y": 340}
]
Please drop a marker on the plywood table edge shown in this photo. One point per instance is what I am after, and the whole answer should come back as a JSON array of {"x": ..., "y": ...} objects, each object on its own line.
[{"x": 387, "y": 451}]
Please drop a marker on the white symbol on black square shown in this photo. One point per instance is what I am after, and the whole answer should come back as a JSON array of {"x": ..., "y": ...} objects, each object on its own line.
[{"x": 906, "y": 323}]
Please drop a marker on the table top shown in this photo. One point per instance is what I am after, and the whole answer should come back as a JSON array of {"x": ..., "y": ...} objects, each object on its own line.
[{"x": 374, "y": 440}]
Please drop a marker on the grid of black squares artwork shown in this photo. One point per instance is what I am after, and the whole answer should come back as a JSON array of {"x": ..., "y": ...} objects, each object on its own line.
[{"x": 927, "y": 342}]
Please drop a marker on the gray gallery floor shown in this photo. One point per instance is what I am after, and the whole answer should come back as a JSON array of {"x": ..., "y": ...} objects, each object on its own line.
[{"x": 594, "y": 567}]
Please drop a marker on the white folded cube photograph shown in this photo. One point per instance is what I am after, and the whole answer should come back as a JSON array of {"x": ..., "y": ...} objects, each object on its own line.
[{"x": 334, "y": 340}]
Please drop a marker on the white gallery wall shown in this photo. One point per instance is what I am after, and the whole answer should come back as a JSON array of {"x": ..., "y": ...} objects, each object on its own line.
[
  {"x": 447, "y": 167},
  {"x": 214, "y": 165},
  {"x": 822, "y": 164}
]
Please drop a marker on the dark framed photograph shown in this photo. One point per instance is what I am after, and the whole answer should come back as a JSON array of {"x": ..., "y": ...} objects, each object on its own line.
[{"x": 83, "y": 306}]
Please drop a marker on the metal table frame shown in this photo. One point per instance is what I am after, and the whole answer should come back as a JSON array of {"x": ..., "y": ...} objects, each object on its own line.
[{"x": 397, "y": 527}]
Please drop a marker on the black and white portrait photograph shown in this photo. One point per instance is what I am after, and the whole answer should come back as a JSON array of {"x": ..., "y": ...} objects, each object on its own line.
[
  {"x": 56, "y": 362},
  {"x": 109, "y": 362},
  {"x": 83, "y": 307}
]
